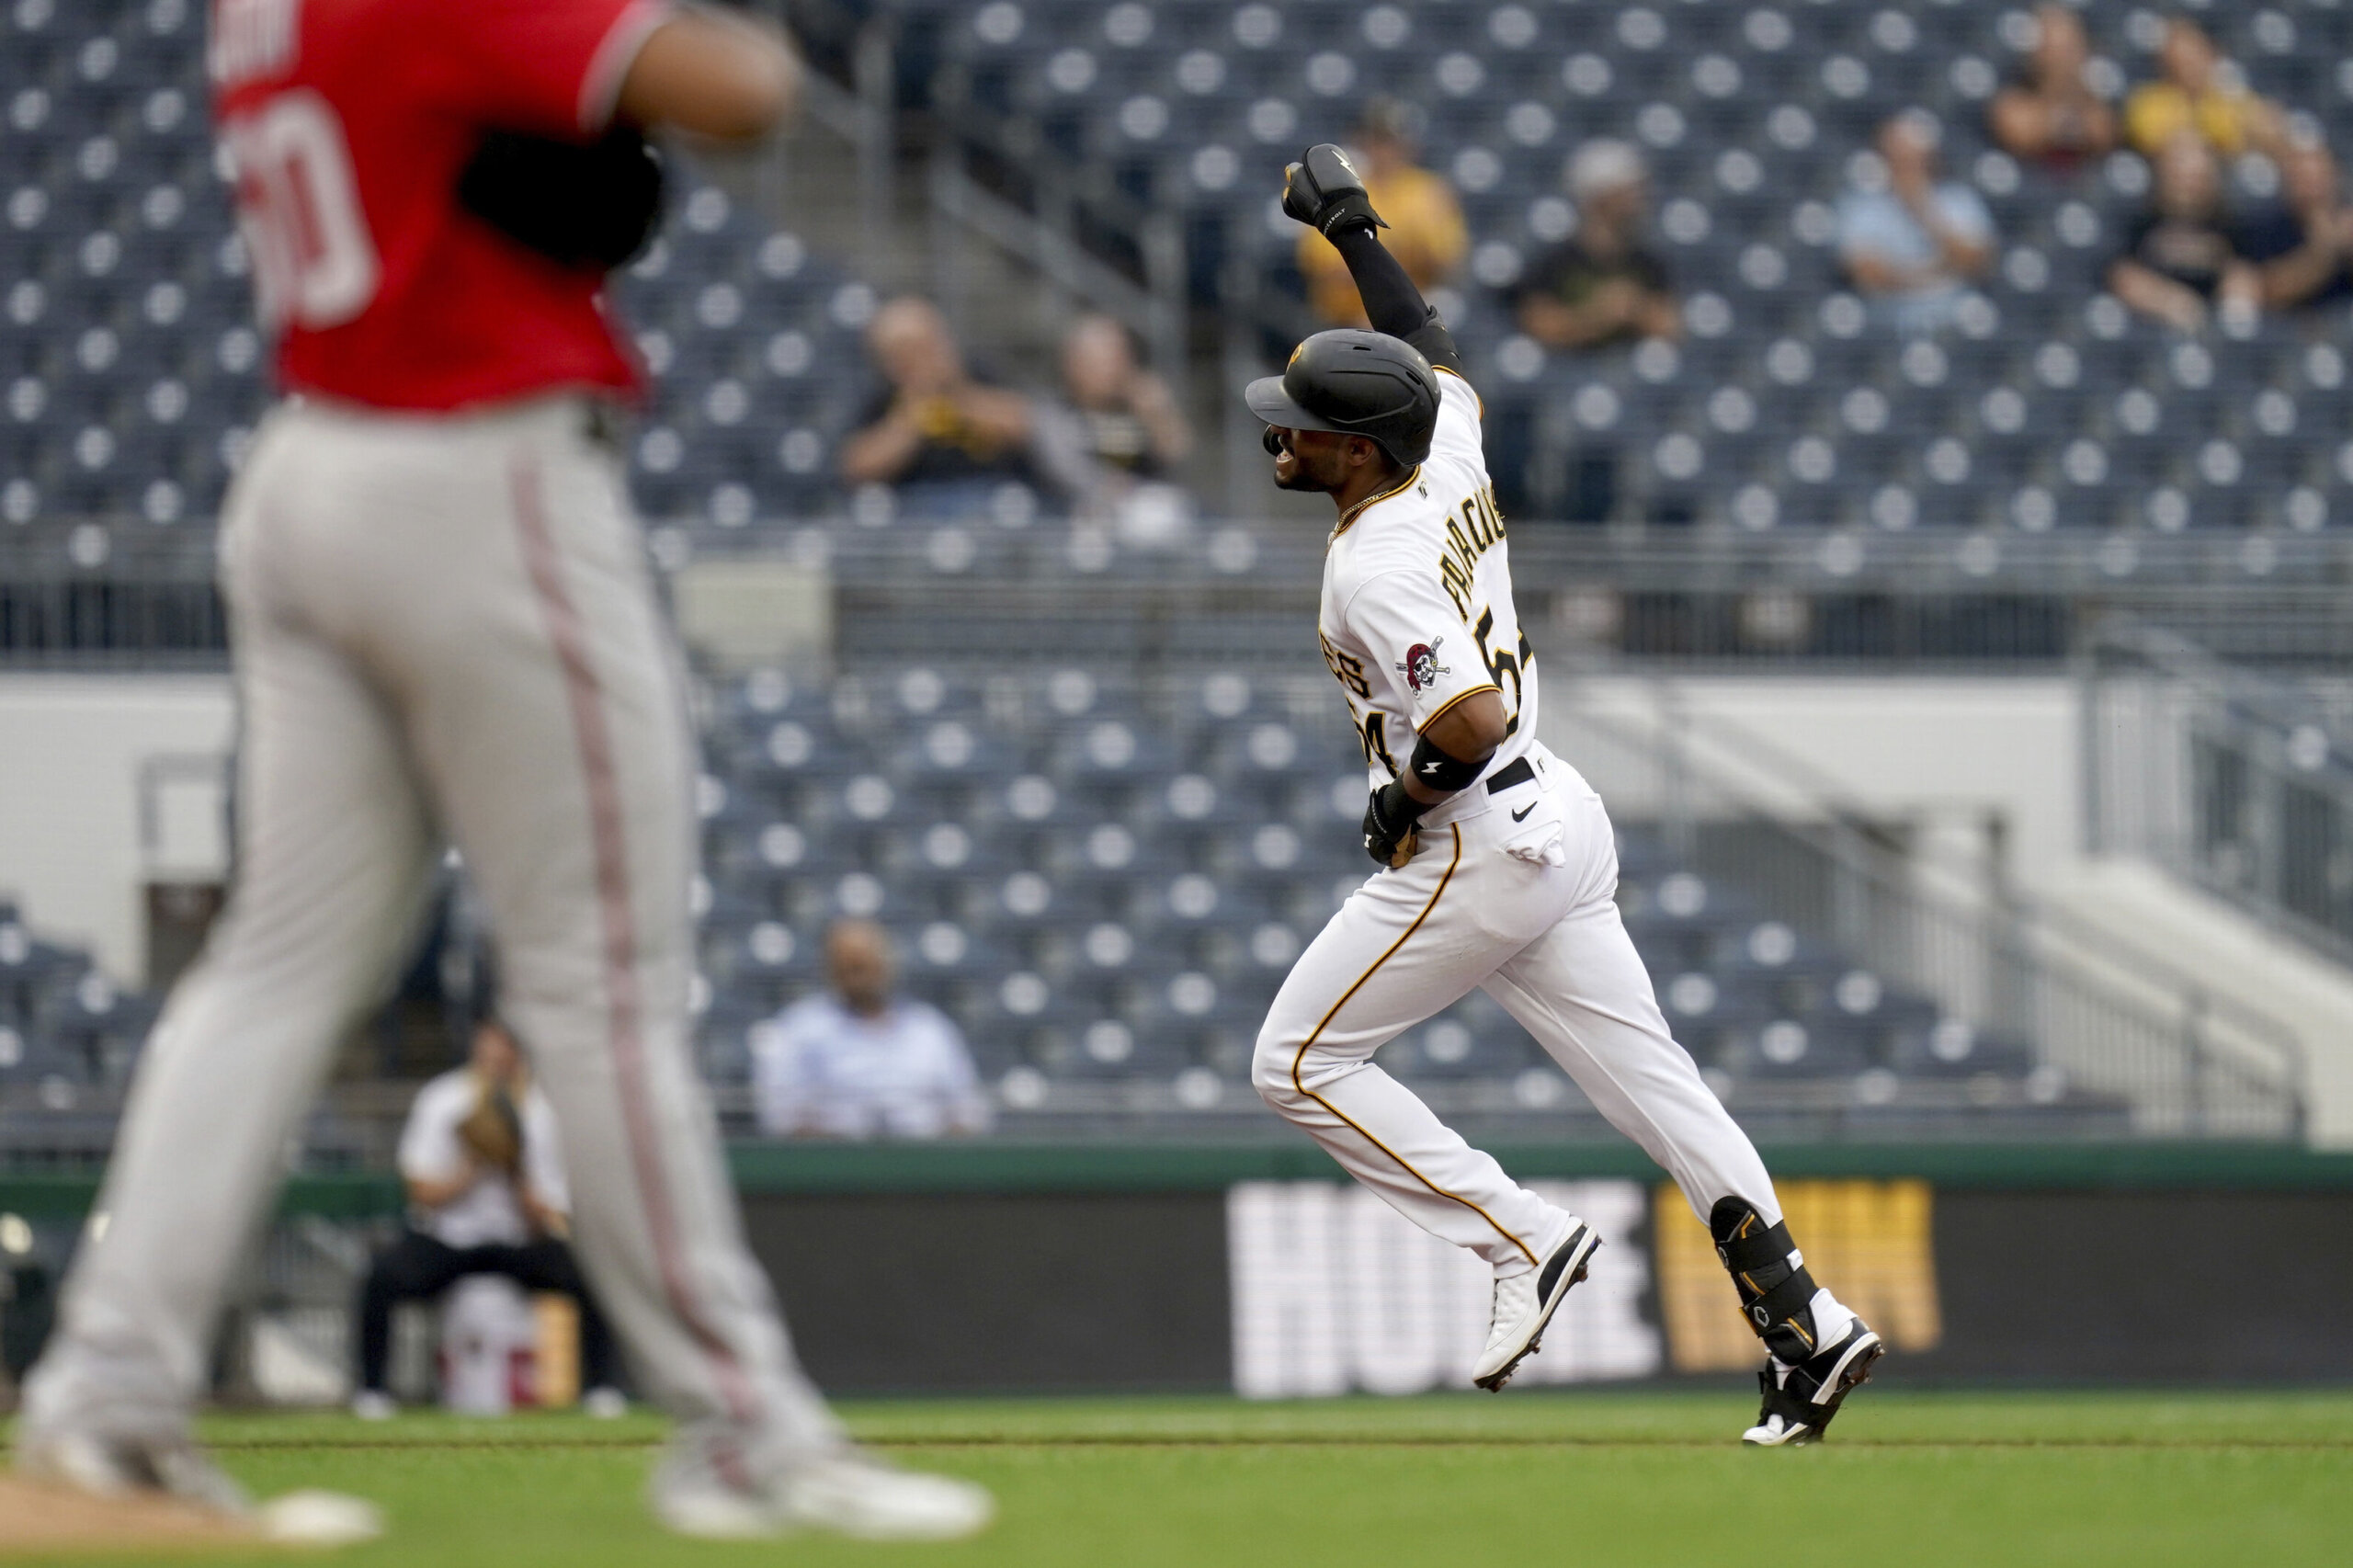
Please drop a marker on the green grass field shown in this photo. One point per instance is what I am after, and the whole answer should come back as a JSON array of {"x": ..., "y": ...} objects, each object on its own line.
[{"x": 1599, "y": 1479}]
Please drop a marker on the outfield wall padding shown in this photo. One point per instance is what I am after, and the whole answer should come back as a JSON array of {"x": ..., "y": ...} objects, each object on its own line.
[{"x": 989, "y": 1266}]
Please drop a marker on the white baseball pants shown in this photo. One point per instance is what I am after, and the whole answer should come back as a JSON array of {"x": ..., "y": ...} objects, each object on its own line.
[
  {"x": 442, "y": 627},
  {"x": 1544, "y": 939}
]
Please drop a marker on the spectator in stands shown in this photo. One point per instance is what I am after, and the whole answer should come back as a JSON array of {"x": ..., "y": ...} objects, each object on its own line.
[
  {"x": 2050, "y": 115},
  {"x": 2303, "y": 243},
  {"x": 1605, "y": 284},
  {"x": 1910, "y": 243},
  {"x": 1128, "y": 425},
  {"x": 1116, "y": 441},
  {"x": 2181, "y": 259},
  {"x": 486, "y": 1195},
  {"x": 1426, "y": 230},
  {"x": 859, "y": 1061},
  {"x": 935, "y": 422},
  {"x": 2203, "y": 94}
]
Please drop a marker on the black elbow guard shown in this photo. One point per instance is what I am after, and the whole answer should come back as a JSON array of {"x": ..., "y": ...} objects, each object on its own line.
[
  {"x": 1435, "y": 769},
  {"x": 1436, "y": 344}
]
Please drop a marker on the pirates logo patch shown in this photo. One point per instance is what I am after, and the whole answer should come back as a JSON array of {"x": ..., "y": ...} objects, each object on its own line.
[{"x": 1421, "y": 668}]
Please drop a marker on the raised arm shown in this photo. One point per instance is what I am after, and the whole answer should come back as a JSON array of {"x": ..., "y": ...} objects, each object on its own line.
[
  {"x": 1325, "y": 192},
  {"x": 726, "y": 77}
]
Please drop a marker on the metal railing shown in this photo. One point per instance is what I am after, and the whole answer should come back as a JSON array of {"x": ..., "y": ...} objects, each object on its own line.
[
  {"x": 2113, "y": 1019},
  {"x": 992, "y": 179},
  {"x": 2237, "y": 781}
]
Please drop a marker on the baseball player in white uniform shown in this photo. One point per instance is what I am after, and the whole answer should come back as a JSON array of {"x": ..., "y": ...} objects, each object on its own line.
[
  {"x": 443, "y": 627},
  {"x": 1499, "y": 867}
]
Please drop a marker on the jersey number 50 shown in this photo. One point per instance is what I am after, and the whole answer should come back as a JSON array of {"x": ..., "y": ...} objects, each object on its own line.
[{"x": 315, "y": 264}]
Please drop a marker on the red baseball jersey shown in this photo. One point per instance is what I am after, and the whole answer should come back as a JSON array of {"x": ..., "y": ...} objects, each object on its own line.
[{"x": 348, "y": 122}]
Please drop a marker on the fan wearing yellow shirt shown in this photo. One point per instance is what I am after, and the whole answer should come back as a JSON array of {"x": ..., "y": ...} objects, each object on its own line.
[
  {"x": 1428, "y": 238},
  {"x": 2203, "y": 93}
]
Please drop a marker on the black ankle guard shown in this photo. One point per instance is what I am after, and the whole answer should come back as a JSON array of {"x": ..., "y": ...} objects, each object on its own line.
[{"x": 1775, "y": 1294}]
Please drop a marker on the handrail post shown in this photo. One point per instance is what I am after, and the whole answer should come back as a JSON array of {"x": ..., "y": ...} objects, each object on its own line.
[
  {"x": 2193, "y": 1060},
  {"x": 874, "y": 70}
]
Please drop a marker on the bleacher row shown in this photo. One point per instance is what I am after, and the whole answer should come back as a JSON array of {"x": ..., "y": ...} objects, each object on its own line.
[
  {"x": 1105, "y": 883},
  {"x": 65, "y": 1029},
  {"x": 131, "y": 373},
  {"x": 2047, "y": 405}
]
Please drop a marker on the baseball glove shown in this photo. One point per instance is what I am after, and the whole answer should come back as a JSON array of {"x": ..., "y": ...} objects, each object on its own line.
[
  {"x": 1325, "y": 192},
  {"x": 493, "y": 1132},
  {"x": 590, "y": 207}
]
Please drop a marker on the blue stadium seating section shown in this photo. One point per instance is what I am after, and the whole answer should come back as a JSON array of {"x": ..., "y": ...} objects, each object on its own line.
[
  {"x": 65, "y": 1030},
  {"x": 131, "y": 373},
  {"x": 1105, "y": 882},
  {"x": 2046, "y": 406}
]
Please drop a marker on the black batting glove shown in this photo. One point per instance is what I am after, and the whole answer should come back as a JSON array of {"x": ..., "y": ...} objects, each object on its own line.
[
  {"x": 1325, "y": 192},
  {"x": 1389, "y": 817}
]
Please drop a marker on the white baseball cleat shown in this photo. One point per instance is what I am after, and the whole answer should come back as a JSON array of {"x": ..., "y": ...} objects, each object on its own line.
[
  {"x": 373, "y": 1405},
  {"x": 1801, "y": 1397},
  {"x": 107, "y": 1466},
  {"x": 605, "y": 1404},
  {"x": 849, "y": 1493},
  {"x": 1526, "y": 1303}
]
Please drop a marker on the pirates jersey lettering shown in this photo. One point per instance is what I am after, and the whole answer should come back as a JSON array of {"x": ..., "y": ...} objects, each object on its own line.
[{"x": 1418, "y": 611}]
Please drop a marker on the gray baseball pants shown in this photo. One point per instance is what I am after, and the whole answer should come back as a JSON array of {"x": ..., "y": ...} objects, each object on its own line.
[{"x": 443, "y": 629}]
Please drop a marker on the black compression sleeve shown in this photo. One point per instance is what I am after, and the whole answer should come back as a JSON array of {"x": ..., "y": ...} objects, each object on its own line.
[{"x": 1392, "y": 304}]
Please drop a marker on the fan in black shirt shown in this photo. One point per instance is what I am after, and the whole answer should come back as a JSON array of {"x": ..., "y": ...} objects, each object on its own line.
[
  {"x": 1603, "y": 286},
  {"x": 2182, "y": 259}
]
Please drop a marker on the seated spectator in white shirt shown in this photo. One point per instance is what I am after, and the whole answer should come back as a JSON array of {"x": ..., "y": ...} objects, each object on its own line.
[
  {"x": 487, "y": 1194},
  {"x": 1910, "y": 243},
  {"x": 860, "y": 1063}
]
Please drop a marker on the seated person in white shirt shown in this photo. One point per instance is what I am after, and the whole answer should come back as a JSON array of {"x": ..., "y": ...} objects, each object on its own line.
[
  {"x": 858, "y": 1062},
  {"x": 486, "y": 1195}
]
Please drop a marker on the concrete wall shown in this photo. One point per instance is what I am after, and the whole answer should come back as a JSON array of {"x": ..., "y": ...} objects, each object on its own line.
[
  {"x": 1922, "y": 749},
  {"x": 72, "y": 752}
]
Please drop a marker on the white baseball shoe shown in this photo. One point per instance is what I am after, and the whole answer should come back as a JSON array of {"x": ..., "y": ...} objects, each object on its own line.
[
  {"x": 1526, "y": 1303},
  {"x": 107, "y": 1466},
  {"x": 1802, "y": 1396},
  {"x": 849, "y": 1493},
  {"x": 604, "y": 1405},
  {"x": 373, "y": 1405}
]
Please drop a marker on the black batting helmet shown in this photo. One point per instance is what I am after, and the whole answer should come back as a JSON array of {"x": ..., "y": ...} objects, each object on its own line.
[{"x": 1354, "y": 383}]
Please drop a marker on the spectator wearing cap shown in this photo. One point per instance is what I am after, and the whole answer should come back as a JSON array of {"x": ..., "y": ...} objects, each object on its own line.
[
  {"x": 2052, "y": 115},
  {"x": 1426, "y": 230},
  {"x": 2183, "y": 259},
  {"x": 857, "y": 1061},
  {"x": 934, "y": 424},
  {"x": 1911, "y": 243},
  {"x": 2202, "y": 94},
  {"x": 2302, "y": 244},
  {"x": 1603, "y": 285}
]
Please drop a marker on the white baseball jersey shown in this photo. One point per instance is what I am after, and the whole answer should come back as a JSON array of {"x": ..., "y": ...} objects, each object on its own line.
[
  {"x": 1511, "y": 892},
  {"x": 489, "y": 1212},
  {"x": 1418, "y": 612}
]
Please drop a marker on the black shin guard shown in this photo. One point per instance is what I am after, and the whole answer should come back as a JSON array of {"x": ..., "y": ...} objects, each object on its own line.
[{"x": 1776, "y": 1291}]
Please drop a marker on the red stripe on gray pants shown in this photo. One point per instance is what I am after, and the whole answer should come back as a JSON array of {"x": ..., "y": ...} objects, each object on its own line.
[{"x": 609, "y": 840}]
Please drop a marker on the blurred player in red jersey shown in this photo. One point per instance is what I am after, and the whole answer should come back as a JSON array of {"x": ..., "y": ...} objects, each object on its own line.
[{"x": 443, "y": 626}]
